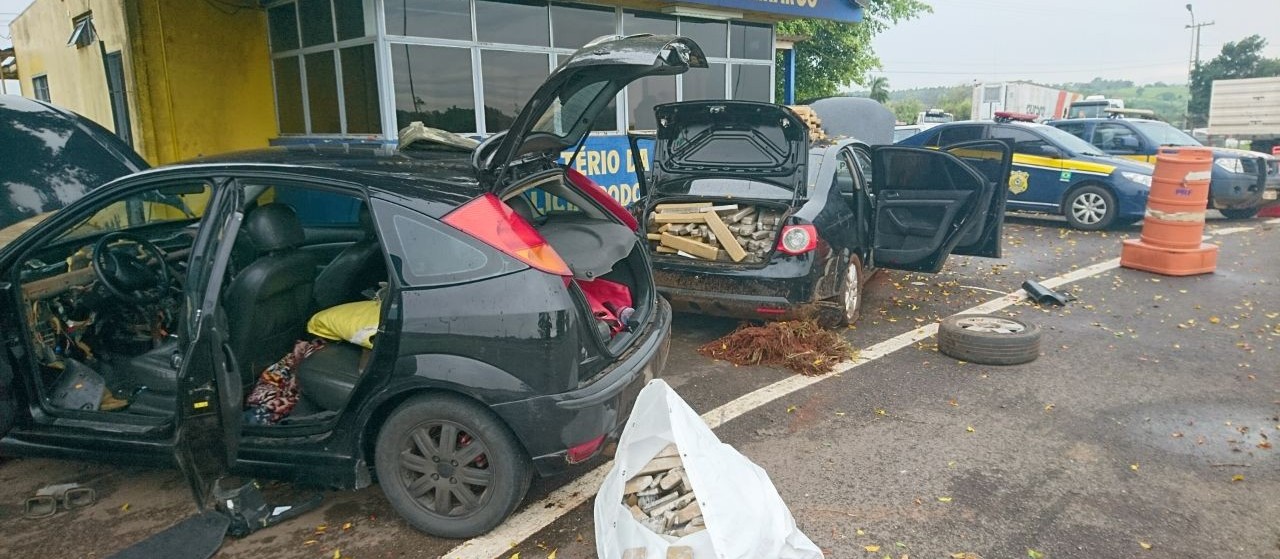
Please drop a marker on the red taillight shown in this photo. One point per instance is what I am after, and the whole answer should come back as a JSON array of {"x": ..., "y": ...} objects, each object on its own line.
[
  {"x": 798, "y": 239},
  {"x": 770, "y": 310},
  {"x": 602, "y": 197},
  {"x": 579, "y": 453},
  {"x": 488, "y": 219}
]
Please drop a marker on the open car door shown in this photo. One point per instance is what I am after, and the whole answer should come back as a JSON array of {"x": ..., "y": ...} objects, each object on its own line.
[
  {"x": 924, "y": 203},
  {"x": 994, "y": 160},
  {"x": 207, "y": 428}
]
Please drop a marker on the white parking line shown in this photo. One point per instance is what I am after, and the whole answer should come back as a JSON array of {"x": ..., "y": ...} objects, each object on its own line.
[
  {"x": 536, "y": 516},
  {"x": 1230, "y": 230},
  {"x": 1275, "y": 221}
]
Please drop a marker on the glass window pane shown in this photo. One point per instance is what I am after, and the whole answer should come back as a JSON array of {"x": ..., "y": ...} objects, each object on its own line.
[
  {"x": 704, "y": 83},
  {"x": 645, "y": 94},
  {"x": 510, "y": 78},
  {"x": 751, "y": 83},
  {"x": 283, "y": 23},
  {"x": 522, "y": 23},
  {"x": 317, "y": 22},
  {"x": 712, "y": 36},
  {"x": 751, "y": 41},
  {"x": 607, "y": 120},
  {"x": 360, "y": 90},
  {"x": 289, "y": 96},
  {"x": 433, "y": 85},
  {"x": 322, "y": 93},
  {"x": 446, "y": 19},
  {"x": 647, "y": 22},
  {"x": 574, "y": 26},
  {"x": 351, "y": 21}
]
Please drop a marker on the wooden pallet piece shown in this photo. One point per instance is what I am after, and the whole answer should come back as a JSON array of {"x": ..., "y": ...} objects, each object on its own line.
[
  {"x": 725, "y": 237},
  {"x": 679, "y": 217},
  {"x": 701, "y": 250}
]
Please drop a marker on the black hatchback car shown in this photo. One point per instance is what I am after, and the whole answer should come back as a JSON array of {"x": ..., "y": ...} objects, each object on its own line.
[
  {"x": 137, "y": 318},
  {"x": 813, "y": 219}
]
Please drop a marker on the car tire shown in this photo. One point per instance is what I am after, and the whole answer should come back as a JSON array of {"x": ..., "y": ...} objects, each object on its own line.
[
  {"x": 989, "y": 339},
  {"x": 1241, "y": 213},
  {"x": 848, "y": 301},
  {"x": 1090, "y": 208},
  {"x": 419, "y": 474}
]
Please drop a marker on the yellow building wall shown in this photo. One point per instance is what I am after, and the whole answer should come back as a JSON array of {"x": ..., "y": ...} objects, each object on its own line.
[
  {"x": 77, "y": 78},
  {"x": 203, "y": 74}
]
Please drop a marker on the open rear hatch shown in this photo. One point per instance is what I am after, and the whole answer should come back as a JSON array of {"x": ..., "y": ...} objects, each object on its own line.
[{"x": 726, "y": 176}]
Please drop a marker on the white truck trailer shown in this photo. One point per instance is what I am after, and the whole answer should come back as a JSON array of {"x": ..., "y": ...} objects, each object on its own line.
[{"x": 1021, "y": 97}]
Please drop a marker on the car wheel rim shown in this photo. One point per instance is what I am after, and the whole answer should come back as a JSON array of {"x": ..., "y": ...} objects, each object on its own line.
[
  {"x": 1089, "y": 208},
  {"x": 991, "y": 325},
  {"x": 852, "y": 291},
  {"x": 446, "y": 469}
]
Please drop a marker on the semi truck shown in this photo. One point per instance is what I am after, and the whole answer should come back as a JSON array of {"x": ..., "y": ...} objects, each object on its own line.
[
  {"x": 1246, "y": 110},
  {"x": 1047, "y": 103}
]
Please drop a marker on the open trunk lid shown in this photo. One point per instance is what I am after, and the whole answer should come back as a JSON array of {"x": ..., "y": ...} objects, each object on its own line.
[
  {"x": 737, "y": 149},
  {"x": 560, "y": 113}
]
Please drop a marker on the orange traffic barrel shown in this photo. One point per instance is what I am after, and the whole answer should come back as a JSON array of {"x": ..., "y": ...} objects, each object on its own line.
[{"x": 1174, "y": 223}]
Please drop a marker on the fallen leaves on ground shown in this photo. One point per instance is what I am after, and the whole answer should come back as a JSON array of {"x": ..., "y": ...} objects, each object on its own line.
[
  {"x": 1144, "y": 545},
  {"x": 1033, "y": 554},
  {"x": 944, "y": 499},
  {"x": 799, "y": 345},
  {"x": 872, "y": 548},
  {"x": 1237, "y": 477}
]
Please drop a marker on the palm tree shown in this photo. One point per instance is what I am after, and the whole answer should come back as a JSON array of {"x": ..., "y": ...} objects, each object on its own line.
[{"x": 880, "y": 89}]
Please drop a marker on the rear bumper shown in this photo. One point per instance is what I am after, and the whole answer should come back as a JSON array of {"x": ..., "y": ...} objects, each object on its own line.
[
  {"x": 787, "y": 288},
  {"x": 548, "y": 426}
]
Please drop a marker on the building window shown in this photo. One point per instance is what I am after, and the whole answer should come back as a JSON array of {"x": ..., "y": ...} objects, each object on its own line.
[
  {"x": 469, "y": 66},
  {"x": 119, "y": 98},
  {"x": 40, "y": 87},
  {"x": 82, "y": 32},
  {"x": 433, "y": 85},
  {"x": 325, "y": 67}
]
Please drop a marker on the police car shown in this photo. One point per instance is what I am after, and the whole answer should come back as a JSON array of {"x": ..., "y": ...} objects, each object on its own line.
[{"x": 1055, "y": 172}]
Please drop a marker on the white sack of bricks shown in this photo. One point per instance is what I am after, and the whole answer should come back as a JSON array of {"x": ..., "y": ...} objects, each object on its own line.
[
  {"x": 676, "y": 492},
  {"x": 707, "y": 231}
]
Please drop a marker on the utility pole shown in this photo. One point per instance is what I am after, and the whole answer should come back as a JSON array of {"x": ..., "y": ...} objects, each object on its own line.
[{"x": 1194, "y": 64}]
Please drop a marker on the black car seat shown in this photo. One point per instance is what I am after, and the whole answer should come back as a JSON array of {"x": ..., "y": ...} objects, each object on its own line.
[
  {"x": 355, "y": 269},
  {"x": 268, "y": 303},
  {"x": 327, "y": 378}
]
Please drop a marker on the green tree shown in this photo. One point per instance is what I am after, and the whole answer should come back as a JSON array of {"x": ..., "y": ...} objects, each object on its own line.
[
  {"x": 907, "y": 110},
  {"x": 879, "y": 89},
  {"x": 834, "y": 54},
  {"x": 958, "y": 101},
  {"x": 1241, "y": 59}
]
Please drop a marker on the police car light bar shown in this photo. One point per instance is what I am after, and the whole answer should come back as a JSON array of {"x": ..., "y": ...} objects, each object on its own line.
[{"x": 1007, "y": 116}]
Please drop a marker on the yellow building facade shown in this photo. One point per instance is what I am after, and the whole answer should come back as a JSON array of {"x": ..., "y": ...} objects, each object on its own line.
[{"x": 191, "y": 78}]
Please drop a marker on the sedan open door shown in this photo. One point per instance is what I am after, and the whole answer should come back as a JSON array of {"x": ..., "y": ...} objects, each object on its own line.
[{"x": 926, "y": 203}]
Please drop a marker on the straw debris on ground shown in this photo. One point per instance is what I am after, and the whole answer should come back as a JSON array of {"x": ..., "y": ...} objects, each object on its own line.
[{"x": 800, "y": 345}]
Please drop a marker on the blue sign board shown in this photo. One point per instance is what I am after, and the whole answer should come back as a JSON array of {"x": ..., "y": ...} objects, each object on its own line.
[
  {"x": 607, "y": 161},
  {"x": 837, "y": 10}
]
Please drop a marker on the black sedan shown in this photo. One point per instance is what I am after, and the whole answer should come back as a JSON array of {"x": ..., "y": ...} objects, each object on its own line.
[
  {"x": 166, "y": 317},
  {"x": 748, "y": 218}
]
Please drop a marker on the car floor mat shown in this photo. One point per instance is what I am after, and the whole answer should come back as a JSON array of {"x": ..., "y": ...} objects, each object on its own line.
[{"x": 198, "y": 537}]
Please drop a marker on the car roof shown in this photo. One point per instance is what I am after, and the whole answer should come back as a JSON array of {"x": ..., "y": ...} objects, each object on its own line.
[{"x": 438, "y": 176}]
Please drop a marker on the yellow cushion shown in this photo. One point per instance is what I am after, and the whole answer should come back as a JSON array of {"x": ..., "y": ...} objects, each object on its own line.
[{"x": 352, "y": 322}]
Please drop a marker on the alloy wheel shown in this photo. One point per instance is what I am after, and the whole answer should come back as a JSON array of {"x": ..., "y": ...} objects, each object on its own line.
[
  {"x": 445, "y": 468},
  {"x": 1089, "y": 208},
  {"x": 852, "y": 291},
  {"x": 990, "y": 324}
]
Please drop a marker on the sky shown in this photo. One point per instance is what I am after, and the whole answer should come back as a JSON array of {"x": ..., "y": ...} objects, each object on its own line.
[
  {"x": 1065, "y": 41},
  {"x": 1039, "y": 40}
]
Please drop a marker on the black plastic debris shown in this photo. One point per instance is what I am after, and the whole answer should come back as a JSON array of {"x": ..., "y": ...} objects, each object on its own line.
[{"x": 1044, "y": 296}]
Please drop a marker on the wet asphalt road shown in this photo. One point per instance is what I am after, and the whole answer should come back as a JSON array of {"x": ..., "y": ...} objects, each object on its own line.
[{"x": 1152, "y": 395}]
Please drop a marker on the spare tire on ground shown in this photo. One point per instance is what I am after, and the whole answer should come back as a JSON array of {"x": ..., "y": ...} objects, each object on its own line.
[{"x": 989, "y": 339}]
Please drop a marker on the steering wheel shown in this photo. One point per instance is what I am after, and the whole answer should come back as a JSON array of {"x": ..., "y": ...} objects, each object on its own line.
[{"x": 123, "y": 263}]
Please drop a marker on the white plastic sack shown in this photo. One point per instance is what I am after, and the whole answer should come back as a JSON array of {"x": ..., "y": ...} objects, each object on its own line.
[{"x": 744, "y": 515}]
